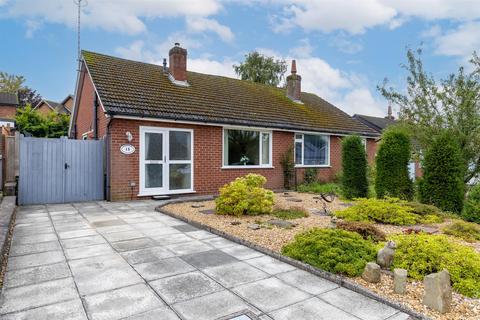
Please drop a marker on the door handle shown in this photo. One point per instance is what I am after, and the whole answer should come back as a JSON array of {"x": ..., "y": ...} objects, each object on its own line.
[{"x": 67, "y": 166}]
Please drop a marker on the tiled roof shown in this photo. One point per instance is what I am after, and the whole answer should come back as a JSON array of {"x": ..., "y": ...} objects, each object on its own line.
[
  {"x": 140, "y": 89},
  {"x": 376, "y": 123},
  {"x": 8, "y": 99}
]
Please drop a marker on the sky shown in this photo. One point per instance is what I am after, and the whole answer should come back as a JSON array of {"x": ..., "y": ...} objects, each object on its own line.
[{"x": 344, "y": 48}]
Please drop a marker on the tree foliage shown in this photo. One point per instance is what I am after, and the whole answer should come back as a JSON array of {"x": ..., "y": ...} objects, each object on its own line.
[
  {"x": 354, "y": 167},
  {"x": 11, "y": 83},
  {"x": 261, "y": 69},
  {"x": 443, "y": 169},
  {"x": 471, "y": 211},
  {"x": 430, "y": 106},
  {"x": 392, "y": 178},
  {"x": 31, "y": 122}
]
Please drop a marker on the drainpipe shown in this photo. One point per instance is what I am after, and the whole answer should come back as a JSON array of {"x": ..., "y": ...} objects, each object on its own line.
[
  {"x": 95, "y": 118},
  {"x": 107, "y": 160}
]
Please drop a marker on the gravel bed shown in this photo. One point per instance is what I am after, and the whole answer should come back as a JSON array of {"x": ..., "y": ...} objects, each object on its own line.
[{"x": 275, "y": 238}]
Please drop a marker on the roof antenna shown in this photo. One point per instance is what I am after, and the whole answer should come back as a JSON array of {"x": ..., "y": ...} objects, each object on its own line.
[
  {"x": 80, "y": 4},
  {"x": 164, "y": 65}
]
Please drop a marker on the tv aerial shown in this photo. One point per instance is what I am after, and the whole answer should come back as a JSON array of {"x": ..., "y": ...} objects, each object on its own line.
[{"x": 80, "y": 4}]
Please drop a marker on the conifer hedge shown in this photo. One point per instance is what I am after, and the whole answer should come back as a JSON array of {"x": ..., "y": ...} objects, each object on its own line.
[{"x": 354, "y": 167}]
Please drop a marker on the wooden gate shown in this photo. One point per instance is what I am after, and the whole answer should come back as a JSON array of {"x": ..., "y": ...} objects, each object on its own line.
[{"x": 60, "y": 170}]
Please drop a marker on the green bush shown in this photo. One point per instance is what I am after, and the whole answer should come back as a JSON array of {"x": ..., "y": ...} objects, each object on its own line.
[
  {"x": 443, "y": 172},
  {"x": 366, "y": 230},
  {"x": 332, "y": 250},
  {"x": 471, "y": 210},
  {"x": 392, "y": 177},
  {"x": 424, "y": 209},
  {"x": 310, "y": 175},
  {"x": 245, "y": 196},
  {"x": 354, "y": 167},
  {"x": 291, "y": 213},
  {"x": 422, "y": 254},
  {"x": 388, "y": 210},
  {"x": 465, "y": 230},
  {"x": 318, "y": 187}
]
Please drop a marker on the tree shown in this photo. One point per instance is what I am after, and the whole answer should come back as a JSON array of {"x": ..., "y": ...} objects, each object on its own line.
[
  {"x": 31, "y": 122},
  {"x": 261, "y": 69},
  {"x": 430, "y": 106},
  {"x": 28, "y": 96},
  {"x": 14, "y": 84},
  {"x": 392, "y": 178},
  {"x": 354, "y": 167},
  {"x": 443, "y": 172}
]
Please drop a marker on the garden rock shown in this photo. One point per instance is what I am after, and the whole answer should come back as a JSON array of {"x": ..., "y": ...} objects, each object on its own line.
[
  {"x": 196, "y": 206},
  {"x": 385, "y": 255},
  {"x": 294, "y": 200},
  {"x": 371, "y": 273},
  {"x": 254, "y": 226},
  {"x": 235, "y": 223},
  {"x": 208, "y": 211},
  {"x": 399, "y": 280},
  {"x": 281, "y": 223},
  {"x": 438, "y": 291}
]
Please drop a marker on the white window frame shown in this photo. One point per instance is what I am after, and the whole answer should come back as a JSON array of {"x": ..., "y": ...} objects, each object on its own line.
[
  {"x": 302, "y": 165},
  {"x": 261, "y": 131},
  {"x": 166, "y": 162}
]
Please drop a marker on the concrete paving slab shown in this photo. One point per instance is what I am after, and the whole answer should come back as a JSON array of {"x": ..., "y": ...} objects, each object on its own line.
[
  {"x": 212, "y": 306},
  {"x": 121, "y": 303},
  {"x": 241, "y": 252},
  {"x": 201, "y": 234},
  {"x": 207, "y": 259},
  {"x": 69, "y": 310},
  {"x": 270, "y": 265},
  {"x": 400, "y": 316},
  {"x": 123, "y": 235},
  {"x": 82, "y": 241},
  {"x": 76, "y": 233},
  {"x": 168, "y": 239},
  {"x": 160, "y": 232},
  {"x": 28, "y": 276},
  {"x": 44, "y": 237},
  {"x": 357, "y": 304},
  {"x": 188, "y": 247},
  {"x": 113, "y": 229},
  {"x": 270, "y": 294},
  {"x": 27, "y": 230},
  {"x": 35, "y": 259},
  {"x": 186, "y": 228},
  {"x": 311, "y": 309},
  {"x": 306, "y": 281},
  {"x": 163, "y": 313},
  {"x": 148, "y": 225},
  {"x": 102, "y": 273},
  {"x": 146, "y": 255},
  {"x": 162, "y": 268},
  {"x": 108, "y": 222},
  {"x": 22, "y": 249},
  {"x": 89, "y": 251},
  {"x": 184, "y": 287},
  {"x": 134, "y": 244},
  {"x": 219, "y": 242},
  {"x": 235, "y": 274},
  {"x": 36, "y": 295}
]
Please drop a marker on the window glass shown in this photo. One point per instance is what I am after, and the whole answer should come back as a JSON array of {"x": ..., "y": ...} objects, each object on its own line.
[
  {"x": 180, "y": 145},
  {"x": 265, "y": 148},
  {"x": 180, "y": 176},
  {"x": 153, "y": 146},
  {"x": 243, "y": 147},
  {"x": 153, "y": 175},
  {"x": 315, "y": 150},
  {"x": 298, "y": 152}
]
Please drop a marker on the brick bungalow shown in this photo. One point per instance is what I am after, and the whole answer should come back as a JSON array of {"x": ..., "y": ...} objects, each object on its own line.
[
  {"x": 47, "y": 106},
  {"x": 194, "y": 132}
]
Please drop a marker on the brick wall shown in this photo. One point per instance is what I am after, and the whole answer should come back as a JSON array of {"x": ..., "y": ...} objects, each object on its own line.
[
  {"x": 7, "y": 111},
  {"x": 208, "y": 173},
  {"x": 44, "y": 109}
]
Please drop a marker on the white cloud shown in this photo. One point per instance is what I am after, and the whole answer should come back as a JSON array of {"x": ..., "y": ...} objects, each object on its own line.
[
  {"x": 361, "y": 101},
  {"x": 32, "y": 26},
  {"x": 209, "y": 66},
  {"x": 199, "y": 24},
  {"x": 345, "y": 44},
  {"x": 305, "y": 49},
  {"x": 460, "y": 42}
]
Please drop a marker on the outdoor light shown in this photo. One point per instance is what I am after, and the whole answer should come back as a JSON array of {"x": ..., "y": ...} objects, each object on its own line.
[{"x": 129, "y": 136}]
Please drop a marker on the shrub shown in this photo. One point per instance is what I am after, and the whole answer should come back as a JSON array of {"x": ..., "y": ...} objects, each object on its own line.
[
  {"x": 310, "y": 175},
  {"x": 443, "y": 170},
  {"x": 245, "y": 195},
  {"x": 318, "y": 187},
  {"x": 291, "y": 213},
  {"x": 424, "y": 209},
  {"x": 332, "y": 250},
  {"x": 354, "y": 167},
  {"x": 422, "y": 254},
  {"x": 366, "y": 230},
  {"x": 392, "y": 178},
  {"x": 465, "y": 230},
  {"x": 471, "y": 210}
]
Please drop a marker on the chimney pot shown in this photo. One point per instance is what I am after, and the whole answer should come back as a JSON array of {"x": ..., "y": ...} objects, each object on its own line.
[
  {"x": 294, "y": 84},
  {"x": 178, "y": 62}
]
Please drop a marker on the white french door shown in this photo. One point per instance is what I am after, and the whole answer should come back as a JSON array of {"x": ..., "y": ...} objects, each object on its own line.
[{"x": 166, "y": 161}]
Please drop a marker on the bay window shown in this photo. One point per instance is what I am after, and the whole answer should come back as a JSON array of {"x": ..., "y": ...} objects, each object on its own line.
[
  {"x": 246, "y": 148},
  {"x": 312, "y": 150}
]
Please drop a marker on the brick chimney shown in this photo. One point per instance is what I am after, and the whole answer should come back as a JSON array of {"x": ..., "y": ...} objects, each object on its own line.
[
  {"x": 390, "y": 113},
  {"x": 178, "y": 63},
  {"x": 294, "y": 84}
]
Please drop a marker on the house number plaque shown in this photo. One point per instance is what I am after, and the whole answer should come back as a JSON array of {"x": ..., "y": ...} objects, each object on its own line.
[{"x": 127, "y": 149}]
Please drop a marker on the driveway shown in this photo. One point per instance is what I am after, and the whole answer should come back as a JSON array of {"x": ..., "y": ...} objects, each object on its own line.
[{"x": 102, "y": 260}]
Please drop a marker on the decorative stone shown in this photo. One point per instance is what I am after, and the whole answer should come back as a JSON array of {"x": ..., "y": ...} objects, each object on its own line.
[
  {"x": 196, "y": 206},
  {"x": 371, "y": 272},
  {"x": 294, "y": 200},
  {"x": 333, "y": 222},
  {"x": 438, "y": 291},
  {"x": 385, "y": 255},
  {"x": 429, "y": 230},
  {"x": 281, "y": 223},
  {"x": 254, "y": 226},
  {"x": 208, "y": 211},
  {"x": 399, "y": 280},
  {"x": 235, "y": 223}
]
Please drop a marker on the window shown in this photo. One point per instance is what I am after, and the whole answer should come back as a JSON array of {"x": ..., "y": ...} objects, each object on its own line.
[
  {"x": 312, "y": 150},
  {"x": 246, "y": 148}
]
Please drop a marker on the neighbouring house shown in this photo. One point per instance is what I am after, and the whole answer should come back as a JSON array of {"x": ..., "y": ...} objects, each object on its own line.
[
  {"x": 47, "y": 106},
  {"x": 172, "y": 131},
  {"x": 8, "y": 109},
  {"x": 379, "y": 124}
]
